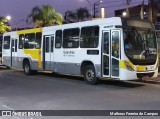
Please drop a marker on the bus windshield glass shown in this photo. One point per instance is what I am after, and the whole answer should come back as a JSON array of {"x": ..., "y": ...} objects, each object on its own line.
[
  {"x": 158, "y": 34},
  {"x": 140, "y": 45}
]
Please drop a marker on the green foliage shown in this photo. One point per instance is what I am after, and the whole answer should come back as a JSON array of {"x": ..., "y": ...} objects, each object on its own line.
[
  {"x": 70, "y": 16},
  {"x": 45, "y": 16},
  {"x": 3, "y": 25},
  {"x": 80, "y": 14}
]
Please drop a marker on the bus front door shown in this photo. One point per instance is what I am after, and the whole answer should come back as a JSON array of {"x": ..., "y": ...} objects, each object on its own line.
[
  {"x": 111, "y": 53},
  {"x": 13, "y": 52},
  {"x": 49, "y": 43}
]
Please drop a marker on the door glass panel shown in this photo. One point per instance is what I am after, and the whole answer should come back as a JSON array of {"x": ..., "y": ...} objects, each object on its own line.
[
  {"x": 115, "y": 44},
  {"x": 106, "y": 65},
  {"x": 115, "y": 53},
  {"x": 115, "y": 67},
  {"x": 106, "y": 38},
  {"x": 106, "y": 43},
  {"x": 111, "y": 53},
  {"x": 12, "y": 45},
  {"x": 16, "y": 45},
  {"x": 47, "y": 44},
  {"x": 52, "y": 43}
]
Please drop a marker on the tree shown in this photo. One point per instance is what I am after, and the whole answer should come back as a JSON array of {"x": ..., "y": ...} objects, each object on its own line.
[
  {"x": 82, "y": 14},
  {"x": 3, "y": 25},
  {"x": 69, "y": 16},
  {"x": 79, "y": 15},
  {"x": 34, "y": 15},
  {"x": 45, "y": 16}
]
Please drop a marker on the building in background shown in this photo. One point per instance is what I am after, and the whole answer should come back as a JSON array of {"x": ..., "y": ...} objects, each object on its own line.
[
  {"x": 147, "y": 12},
  {"x": 134, "y": 12}
]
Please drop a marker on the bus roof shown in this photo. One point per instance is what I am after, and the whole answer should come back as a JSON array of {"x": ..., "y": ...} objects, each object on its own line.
[{"x": 110, "y": 21}]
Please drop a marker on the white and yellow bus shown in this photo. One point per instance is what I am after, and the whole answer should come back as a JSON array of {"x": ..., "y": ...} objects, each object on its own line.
[{"x": 111, "y": 48}]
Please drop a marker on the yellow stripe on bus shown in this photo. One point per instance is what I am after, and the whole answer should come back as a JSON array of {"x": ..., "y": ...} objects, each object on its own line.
[
  {"x": 134, "y": 67},
  {"x": 35, "y": 54},
  {"x": 40, "y": 60},
  {"x": 123, "y": 66},
  {"x": 29, "y": 31}
]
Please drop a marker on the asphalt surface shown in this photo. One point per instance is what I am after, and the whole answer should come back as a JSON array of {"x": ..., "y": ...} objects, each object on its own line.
[{"x": 46, "y": 91}]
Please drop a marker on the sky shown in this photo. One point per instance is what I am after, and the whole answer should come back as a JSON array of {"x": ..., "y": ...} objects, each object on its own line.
[{"x": 19, "y": 9}]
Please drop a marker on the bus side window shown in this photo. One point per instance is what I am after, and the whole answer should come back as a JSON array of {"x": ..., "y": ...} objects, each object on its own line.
[
  {"x": 6, "y": 42},
  {"x": 71, "y": 38},
  {"x": 38, "y": 40},
  {"x": 29, "y": 41},
  {"x": 58, "y": 39},
  {"x": 89, "y": 37},
  {"x": 21, "y": 41}
]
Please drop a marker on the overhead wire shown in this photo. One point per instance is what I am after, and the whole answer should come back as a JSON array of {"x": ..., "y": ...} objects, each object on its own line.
[{"x": 120, "y": 5}]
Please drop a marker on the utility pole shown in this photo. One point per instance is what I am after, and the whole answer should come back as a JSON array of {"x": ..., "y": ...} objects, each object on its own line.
[
  {"x": 142, "y": 10},
  {"x": 90, "y": 8},
  {"x": 94, "y": 7},
  {"x": 150, "y": 5},
  {"x": 94, "y": 10}
]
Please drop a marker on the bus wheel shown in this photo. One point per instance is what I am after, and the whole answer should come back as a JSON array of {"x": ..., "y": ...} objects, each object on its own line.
[
  {"x": 90, "y": 75},
  {"x": 27, "y": 68}
]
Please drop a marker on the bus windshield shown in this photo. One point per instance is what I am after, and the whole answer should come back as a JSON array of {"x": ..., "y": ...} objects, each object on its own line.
[
  {"x": 140, "y": 45},
  {"x": 158, "y": 34}
]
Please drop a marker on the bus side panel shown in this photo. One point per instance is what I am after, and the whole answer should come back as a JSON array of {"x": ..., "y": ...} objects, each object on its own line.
[
  {"x": 34, "y": 56},
  {"x": 34, "y": 65},
  {"x": 71, "y": 63},
  {"x": 7, "y": 61},
  {"x": 72, "y": 68},
  {"x": 20, "y": 63},
  {"x": 58, "y": 67}
]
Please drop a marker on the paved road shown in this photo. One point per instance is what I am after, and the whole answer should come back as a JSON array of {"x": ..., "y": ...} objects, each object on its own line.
[{"x": 46, "y": 91}]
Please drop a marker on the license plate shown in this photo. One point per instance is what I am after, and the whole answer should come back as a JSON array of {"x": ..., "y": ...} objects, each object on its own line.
[{"x": 145, "y": 78}]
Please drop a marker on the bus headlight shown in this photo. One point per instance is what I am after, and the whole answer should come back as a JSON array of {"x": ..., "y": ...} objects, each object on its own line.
[{"x": 128, "y": 66}]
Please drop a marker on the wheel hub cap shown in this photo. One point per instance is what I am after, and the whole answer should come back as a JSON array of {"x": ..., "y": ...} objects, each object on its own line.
[{"x": 90, "y": 75}]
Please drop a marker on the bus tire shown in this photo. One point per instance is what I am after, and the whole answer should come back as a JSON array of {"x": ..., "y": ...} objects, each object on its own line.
[
  {"x": 90, "y": 75},
  {"x": 27, "y": 68}
]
